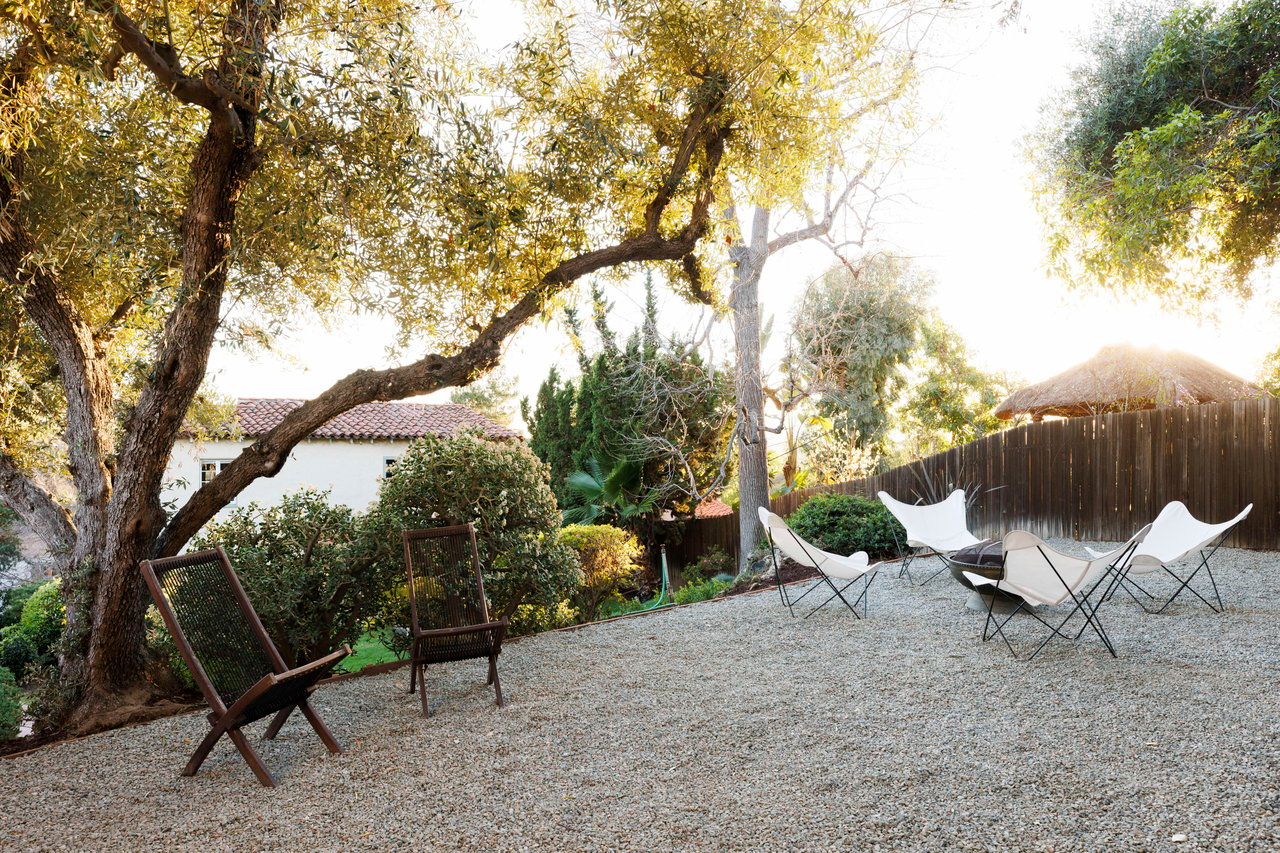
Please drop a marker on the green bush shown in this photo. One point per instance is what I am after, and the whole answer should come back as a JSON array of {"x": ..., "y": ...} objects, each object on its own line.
[
  {"x": 700, "y": 591},
  {"x": 609, "y": 558},
  {"x": 844, "y": 524},
  {"x": 16, "y": 651},
  {"x": 44, "y": 616},
  {"x": 714, "y": 562},
  {"x": 12, "y": 601},
  {"x": 10, "y": 706},
  {"x": 505, "y": 490},
  {"x": 32, "y": 638},
  {"x": 309, "y": 569}
]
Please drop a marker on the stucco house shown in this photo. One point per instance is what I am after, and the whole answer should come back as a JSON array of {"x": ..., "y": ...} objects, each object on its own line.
[{"x": 349, "y": 455}]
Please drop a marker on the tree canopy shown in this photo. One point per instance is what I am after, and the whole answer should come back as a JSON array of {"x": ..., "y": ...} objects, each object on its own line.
[
  {"x": 1160, "y": 168},
  {"x": 174, "y": 175},
  {"x": 884, "y": 374}
]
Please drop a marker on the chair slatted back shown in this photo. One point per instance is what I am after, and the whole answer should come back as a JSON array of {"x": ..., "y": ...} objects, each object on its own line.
[
  {"x": 215, "y": 627},
  {"x": 446, "y": 589}
]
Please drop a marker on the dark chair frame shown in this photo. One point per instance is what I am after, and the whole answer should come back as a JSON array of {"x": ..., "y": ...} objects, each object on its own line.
[
  {"x": 420, "y": 638},
  {"x": 1082, "y": 602},
  {"x": 279, "y": 692}
]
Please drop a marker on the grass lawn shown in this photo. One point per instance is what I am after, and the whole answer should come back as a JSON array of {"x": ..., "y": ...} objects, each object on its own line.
[{"x": 367, "y": 651}]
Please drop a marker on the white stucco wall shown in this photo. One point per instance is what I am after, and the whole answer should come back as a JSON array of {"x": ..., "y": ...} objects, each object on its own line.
[{"x": 352, "y": 470}]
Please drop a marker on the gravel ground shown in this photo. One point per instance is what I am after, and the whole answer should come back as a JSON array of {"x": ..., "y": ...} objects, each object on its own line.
[{"x": 732, "y": 726}]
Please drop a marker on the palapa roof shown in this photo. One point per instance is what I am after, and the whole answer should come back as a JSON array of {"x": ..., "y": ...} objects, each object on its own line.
[
  {"x": 1124, "y": 378},
  {"x": 373, "y": 421}
]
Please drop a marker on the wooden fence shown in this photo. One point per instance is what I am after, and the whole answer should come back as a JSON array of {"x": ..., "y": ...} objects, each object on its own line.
[{"x": 1095, "y": 478}]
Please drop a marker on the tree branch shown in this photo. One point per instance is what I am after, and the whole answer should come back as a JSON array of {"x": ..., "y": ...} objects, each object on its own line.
[
  {"x": 36, "y": 507},
  {"x": 162, "y": 60},
  {"x": 266, "y": 456}
]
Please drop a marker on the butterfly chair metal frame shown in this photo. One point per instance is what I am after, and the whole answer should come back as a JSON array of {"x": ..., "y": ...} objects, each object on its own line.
[
  {"x": 830, "y": 567},
  {"x": 448, "y": 587},
  {"x": 1175, "y": 535},
  {"x": 931, "y": 529},
  {"x": 1091, "y": 576},
  {"x": 230, "y": 655}
]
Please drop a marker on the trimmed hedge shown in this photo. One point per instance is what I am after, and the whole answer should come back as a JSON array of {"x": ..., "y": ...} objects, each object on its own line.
[{"x": 845, "y": 523}]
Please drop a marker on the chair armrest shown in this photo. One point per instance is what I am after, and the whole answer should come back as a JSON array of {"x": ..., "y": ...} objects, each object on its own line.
[
  {"x": 462, "y": 629},
  {"x": 325, "y": 663}
]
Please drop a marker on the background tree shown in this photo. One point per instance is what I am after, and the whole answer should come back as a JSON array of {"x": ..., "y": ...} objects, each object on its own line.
[
  {"x": 889, "y": 379},
  {"x": 871, "y": 79},
  {"x": 309, "y": 157},
  {"x": 1160, "y": 167},
  {"x": 648, "y": 420},
  {"x": 493, "y": 396}
]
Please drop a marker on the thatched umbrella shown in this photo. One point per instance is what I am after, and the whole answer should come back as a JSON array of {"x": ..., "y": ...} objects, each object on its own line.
[{"x": 1125, "y": 378}]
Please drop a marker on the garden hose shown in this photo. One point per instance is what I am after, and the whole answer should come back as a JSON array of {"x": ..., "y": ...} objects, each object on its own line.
[{"x": 662, "y": 592}]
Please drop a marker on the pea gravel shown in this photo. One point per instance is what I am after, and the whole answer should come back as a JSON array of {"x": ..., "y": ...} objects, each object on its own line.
[{"x": 732, "y": 726}]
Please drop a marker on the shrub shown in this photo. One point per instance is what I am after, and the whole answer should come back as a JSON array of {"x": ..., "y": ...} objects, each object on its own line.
[
  {"x": 44, "y": 616},
  {"x": 309, "y": 570},
  {"x": 16, "y": 651},
  {"x": 505, "y": 490},
  {"x": 608, "y": 556},
  {"x": 700, "y": 591},
  {"x": 844, "y": 524},
  {"x": 10, "y": 706},
  {"x": 31, "y": 639},
  {"x": 714, "y": 562},
  {"x": 12, "y": 601}
]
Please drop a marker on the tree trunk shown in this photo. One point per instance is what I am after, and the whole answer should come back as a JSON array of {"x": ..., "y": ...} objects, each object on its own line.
[
  {"x": 106, "y": 657},
  {"x": 753, "y": 459}
]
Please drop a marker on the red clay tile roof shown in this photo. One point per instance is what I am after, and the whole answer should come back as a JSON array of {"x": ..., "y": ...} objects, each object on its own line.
[
  {"x": 712, "y": 508},
  {"x": 373, "y": 421}
]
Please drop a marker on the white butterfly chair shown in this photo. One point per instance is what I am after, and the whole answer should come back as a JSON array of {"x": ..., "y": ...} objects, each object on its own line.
[
  {"x": 1043, "y": 577},
  {"x": 1175, "y": 535},
  {"x": 832, "y": 568},
  {"x": 938, "y": 528}
]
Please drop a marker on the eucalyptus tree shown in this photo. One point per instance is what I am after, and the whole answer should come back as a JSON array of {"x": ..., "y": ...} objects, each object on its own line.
[
  {"x": 162, "y": 163},
  {"x": 869, "y": 84},
  {"x": 1160, "y": 165}
]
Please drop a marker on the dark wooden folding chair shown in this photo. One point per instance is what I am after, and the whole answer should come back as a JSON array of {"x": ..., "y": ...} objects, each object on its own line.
[
  {"x": 231, "y": 657},
  {"x": 447, "y": 608}
]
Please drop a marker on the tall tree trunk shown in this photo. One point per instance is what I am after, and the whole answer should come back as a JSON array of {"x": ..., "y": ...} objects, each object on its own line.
[
  {"x": 753, "y": 459},
  {"x": 113, "y": 656}
]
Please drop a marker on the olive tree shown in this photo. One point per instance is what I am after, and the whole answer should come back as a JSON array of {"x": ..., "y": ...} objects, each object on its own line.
[{"x": 159, "y": 165}]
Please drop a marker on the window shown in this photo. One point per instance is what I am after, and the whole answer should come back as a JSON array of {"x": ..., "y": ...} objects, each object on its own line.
[
  {"x": 388, "y": 466},
  {"x": 210, "y": 468}
]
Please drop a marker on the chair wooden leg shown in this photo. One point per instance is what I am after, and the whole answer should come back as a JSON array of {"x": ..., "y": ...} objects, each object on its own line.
[
  {"x": 422, "y": 690},
  {"x": 277, "y": 722},
  {"x": 413, "y": 676},
  {"x": 251, "y": 758},
  {"x": 493, "y": 678},
  {"x": 322, "y": 730},
  {"x": 202, "y": 751}
]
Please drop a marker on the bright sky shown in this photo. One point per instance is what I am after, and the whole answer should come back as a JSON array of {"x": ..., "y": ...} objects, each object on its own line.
[{"x": 968, "y": 216}]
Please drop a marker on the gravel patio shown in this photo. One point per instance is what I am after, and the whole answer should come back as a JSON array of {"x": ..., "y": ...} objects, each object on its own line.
[{"x": 730, "y": 725}]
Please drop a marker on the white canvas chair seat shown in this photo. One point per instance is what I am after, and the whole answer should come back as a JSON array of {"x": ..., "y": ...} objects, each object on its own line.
[
  {"x": 1044, "y": 577},
  {"x": 830, "y": 567},
  {"x": 940, "y": 528},
  {"x": 1174, "y": 536}
]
